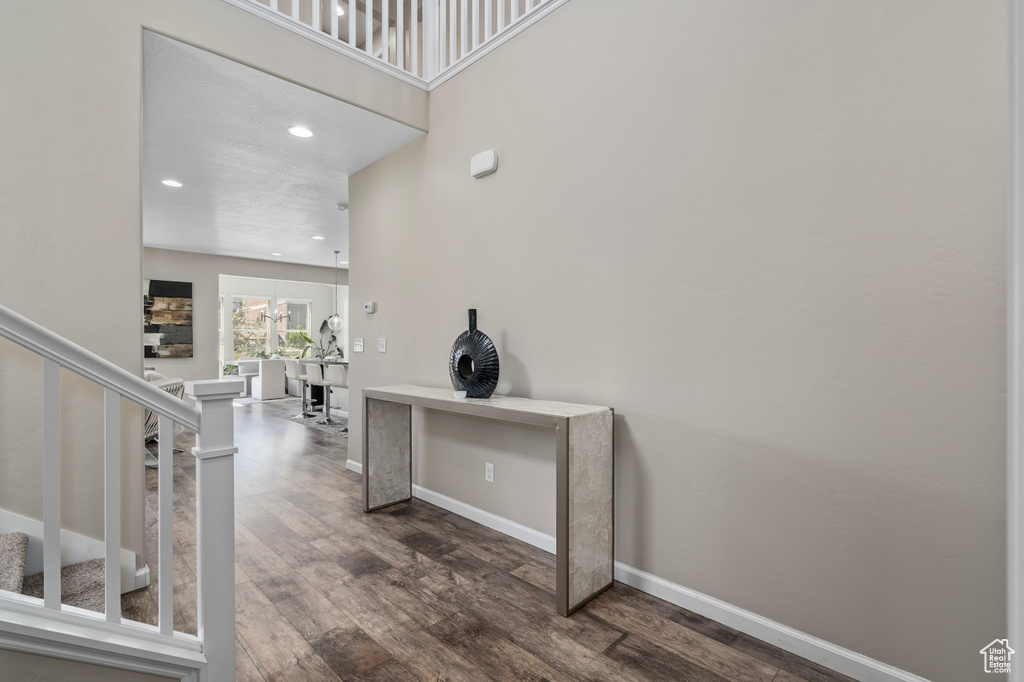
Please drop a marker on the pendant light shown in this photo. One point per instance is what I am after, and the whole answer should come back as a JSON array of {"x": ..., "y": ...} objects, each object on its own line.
[{"x": 334, "y": 321}]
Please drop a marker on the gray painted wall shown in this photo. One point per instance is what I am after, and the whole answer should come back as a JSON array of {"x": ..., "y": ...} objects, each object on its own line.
[{"x": 771, "y": 236}]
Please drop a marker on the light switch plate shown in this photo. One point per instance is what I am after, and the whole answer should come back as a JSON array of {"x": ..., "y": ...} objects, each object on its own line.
[
  {"x": 357, "y": 345},
  {"x": 382, "y": 345}
]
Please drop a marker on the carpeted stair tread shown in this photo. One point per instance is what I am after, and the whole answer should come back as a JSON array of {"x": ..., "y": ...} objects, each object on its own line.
[
  {"x": 13, "y": 556},
  {"x": 81, "y": 585}
]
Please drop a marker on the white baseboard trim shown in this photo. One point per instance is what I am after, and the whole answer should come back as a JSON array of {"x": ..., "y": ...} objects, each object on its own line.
[
  {"x": 484, "y": 518},
  {"x": 829, "y": 655},
  {"x": 74, "y": 548}
]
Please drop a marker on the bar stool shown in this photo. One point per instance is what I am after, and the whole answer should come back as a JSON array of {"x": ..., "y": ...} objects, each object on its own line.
[
  {"x": 337, "y": 375},
  {"x": 315, "y": 377},
  {"x": 298, "y": 373}
]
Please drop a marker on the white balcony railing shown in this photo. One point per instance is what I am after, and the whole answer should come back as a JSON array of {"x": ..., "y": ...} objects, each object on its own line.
[
  {"x": 47, "y": 626},
  {"x": 421, "y": 41}
]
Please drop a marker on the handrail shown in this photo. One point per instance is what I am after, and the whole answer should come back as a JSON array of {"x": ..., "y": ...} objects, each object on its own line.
[
  {"x": 88, "y": 365},
  {"x": 444, "y": 36}
]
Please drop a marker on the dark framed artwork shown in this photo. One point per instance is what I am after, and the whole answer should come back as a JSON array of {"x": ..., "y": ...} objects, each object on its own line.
[{"x": 167, "y": 319}]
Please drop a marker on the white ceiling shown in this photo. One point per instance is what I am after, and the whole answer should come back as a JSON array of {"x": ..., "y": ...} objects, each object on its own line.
[{"x": 250, "y": 188}]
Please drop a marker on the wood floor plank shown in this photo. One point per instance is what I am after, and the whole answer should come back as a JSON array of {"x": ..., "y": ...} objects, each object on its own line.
[
  {"x": 423, "y": 606},
  {"x": 657, "y": 664},
  {"x": 312, "y": 614},
  {"x": 298, "y": 520},
  {"x": 374, "y": 614},
  {"x": 425, "y": 657},
  {"x": 487, "y": 648},
  {"x": 245, "y": 669},
  {"x": 305, "y": 559},
  {"x": 590, "y": 632},
  {"x": 685, "y": 643},
  {"x": 274, "y": 647},
  {"x": 349, "y": 651},
  {"x": 267, "y": 570},
  {"x": 467, "y": 565},
  {"x": 388, "y": 672},
  {"x": 538, "y": 576},
  {"x": 550, "y": 644}
]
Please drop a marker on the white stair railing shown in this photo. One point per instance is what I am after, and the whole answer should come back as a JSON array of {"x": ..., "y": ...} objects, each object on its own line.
[
  {"x": 421, "y": 41},
  {"x": 47, "y": 626}
]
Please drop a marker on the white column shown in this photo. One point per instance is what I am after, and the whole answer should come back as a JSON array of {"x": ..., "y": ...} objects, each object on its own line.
[{"x": 215, "y": 522}]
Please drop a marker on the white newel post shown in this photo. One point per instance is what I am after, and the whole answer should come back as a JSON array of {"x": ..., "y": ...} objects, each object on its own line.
[{"x": 215, "y": 523}]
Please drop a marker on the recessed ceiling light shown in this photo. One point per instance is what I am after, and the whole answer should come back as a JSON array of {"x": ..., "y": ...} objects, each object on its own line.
[
  {"x": 275, "y": 254},
  {"x": 172, "y": 183},
  {"x": 300, "y": 131},
  {"x": 318, "y": 237},
  {"x": 341, "y": 12}
]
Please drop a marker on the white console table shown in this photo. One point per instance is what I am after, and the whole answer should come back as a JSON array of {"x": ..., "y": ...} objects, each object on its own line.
[{"x": 584, "y": 480}]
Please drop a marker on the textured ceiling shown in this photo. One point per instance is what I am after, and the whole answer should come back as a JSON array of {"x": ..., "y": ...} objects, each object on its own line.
[{"x": 250, "y": 188}]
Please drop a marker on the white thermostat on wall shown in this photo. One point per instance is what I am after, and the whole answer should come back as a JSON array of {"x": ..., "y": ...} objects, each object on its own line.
[
  {"x": 483, "y": 164},
  {"x": 370, "y": 308}
]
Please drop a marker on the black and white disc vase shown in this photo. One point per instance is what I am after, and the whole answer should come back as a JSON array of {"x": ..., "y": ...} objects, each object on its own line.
[{"x": 474, "y": 362}]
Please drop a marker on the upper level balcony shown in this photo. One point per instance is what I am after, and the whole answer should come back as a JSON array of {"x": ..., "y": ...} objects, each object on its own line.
[{"x": 422, "y": 42}]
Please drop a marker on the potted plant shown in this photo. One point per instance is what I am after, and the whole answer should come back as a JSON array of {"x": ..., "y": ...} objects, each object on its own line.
[{"x": 326, "y": 346}]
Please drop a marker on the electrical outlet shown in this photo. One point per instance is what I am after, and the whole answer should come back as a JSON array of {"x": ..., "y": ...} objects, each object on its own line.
[
  {"x": 357, "y": 345},
  {"x": 382, "y": 345},
  {"x": 489, "y": 472}
]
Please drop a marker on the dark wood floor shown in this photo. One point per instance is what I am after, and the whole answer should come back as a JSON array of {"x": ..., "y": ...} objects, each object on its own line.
[{"x": 326, "y": 592}]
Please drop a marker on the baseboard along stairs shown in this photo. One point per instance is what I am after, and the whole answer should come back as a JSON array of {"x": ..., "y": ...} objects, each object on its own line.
[{"x": 81, "y": 584}]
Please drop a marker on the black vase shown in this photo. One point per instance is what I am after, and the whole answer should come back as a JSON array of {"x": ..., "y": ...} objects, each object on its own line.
[{"x": 474, "y": 362}]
